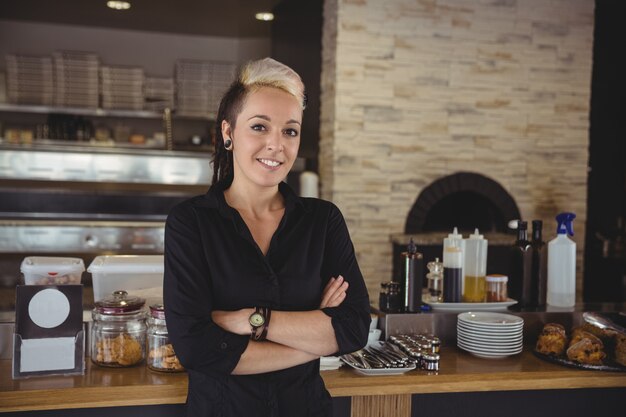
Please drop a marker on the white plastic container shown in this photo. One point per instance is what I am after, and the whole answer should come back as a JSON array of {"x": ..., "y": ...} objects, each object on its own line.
[
  {"x": 139, "y": 275},
  {"x": 455, "y": 239},
  {"x": 475, "y": 268},
  {"x": 50, "y": 270},
  {"x": 562, "y": 265}
]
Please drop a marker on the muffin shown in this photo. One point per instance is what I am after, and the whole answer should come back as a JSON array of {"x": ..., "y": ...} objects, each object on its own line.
[
  {"x": 552, "y": 340},
  {"x": 585, "y": 348}
]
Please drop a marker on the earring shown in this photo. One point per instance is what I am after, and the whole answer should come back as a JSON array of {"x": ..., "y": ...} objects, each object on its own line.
[{"x": 228, "y": 144}]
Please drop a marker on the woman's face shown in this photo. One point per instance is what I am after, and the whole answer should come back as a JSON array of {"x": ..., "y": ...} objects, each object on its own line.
[{"x": 266, "y": 137}]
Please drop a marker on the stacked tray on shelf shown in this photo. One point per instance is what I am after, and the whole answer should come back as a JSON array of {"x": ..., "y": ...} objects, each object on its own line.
[
  {"x": 490, "y": 335},
  {"x": 122, "y": 87},
  {"x": 200, "y": 85},
  {"x": 29, "y": 79},
  {"x": 76, "y": 76},
  {"x": 158, "y": 93}
]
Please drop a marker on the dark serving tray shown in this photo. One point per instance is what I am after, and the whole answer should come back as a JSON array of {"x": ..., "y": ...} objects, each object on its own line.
[{"x": 607, "y": 366}]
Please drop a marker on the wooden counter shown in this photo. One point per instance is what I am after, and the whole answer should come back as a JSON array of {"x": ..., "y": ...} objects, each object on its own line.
[{"x": 460, "y": 372}]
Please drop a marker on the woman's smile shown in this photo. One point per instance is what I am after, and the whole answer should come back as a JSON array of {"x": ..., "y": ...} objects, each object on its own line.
[{"x": 269, "y": 163}]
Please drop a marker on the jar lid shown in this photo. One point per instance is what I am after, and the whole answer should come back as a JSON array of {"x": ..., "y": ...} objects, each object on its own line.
[
  {"x": 157, "y": 311},
  {"x": 119, "y": 303},
  {"x": 496, "y": 278}
]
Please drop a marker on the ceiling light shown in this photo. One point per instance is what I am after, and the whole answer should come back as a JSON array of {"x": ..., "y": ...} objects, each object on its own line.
[
  {"x": 265, "y": 16},
  {"x": 118, "y": 5}
]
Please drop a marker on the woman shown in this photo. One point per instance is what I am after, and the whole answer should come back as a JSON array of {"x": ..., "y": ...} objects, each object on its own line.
[{"x": 260, "y": 283}]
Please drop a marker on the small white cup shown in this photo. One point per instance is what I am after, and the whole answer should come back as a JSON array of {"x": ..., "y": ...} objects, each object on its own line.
[
  {"x": 374, "y": 336},
  {"x": 374, "y": 323}
]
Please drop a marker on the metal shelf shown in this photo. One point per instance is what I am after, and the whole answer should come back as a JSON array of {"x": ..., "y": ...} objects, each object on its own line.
[
  {"x": 104, "y": 165},
  {"x": 82, "y": 111}
]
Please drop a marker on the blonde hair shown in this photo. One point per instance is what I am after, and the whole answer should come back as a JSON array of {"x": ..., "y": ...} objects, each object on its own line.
[
  {"x": 268, "y": 72},
  {"x": 265, "y": 72}
]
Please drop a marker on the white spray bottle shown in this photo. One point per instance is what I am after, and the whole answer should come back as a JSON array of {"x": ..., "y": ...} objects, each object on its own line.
[{"x": 562, "y": 264}]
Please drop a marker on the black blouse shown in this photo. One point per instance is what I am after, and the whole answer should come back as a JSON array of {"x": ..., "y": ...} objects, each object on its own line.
[{"x": 213, "y": 263}]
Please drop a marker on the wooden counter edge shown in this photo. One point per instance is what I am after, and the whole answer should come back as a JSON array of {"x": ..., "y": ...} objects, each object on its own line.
[
  {"x": 92, "y": 397},
  {"x": 431, "y": 384}
]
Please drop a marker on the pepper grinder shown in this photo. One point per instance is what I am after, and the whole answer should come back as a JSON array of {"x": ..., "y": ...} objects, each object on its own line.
[{"x": 435, "y": 281}]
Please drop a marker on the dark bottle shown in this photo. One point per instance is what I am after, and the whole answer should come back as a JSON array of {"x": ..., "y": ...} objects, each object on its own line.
[
  {"x": 412, "y": 278},
  {"x": 389, "y": 300},
  {"x": 452, "y": 274},
  {"x": 520, "y": 267},
  {"x": 539, "y": 266}
]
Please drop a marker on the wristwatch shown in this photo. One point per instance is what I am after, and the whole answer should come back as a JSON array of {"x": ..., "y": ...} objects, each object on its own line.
[
  {"x": 259, "y": 321},
  {"x": 256, "y": 320}
]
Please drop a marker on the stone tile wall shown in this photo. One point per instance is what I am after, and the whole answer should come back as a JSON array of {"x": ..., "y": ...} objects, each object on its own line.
[{"x": 413, "y": 90}]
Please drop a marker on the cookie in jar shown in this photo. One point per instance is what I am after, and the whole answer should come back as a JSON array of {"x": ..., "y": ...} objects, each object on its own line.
[
  {"x": 118, "y": 332},
  {"x": 161, "y": 356}
]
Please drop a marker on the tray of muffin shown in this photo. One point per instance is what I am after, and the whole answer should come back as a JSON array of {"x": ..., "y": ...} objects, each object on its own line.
[{"x": 584, "y": 347}]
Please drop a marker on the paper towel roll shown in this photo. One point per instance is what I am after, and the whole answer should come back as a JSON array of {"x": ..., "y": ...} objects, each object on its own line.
[{"x": 309, "y": 184}]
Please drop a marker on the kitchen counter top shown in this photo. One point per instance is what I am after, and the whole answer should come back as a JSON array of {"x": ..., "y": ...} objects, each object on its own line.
[{"x": 459, "y": 372}]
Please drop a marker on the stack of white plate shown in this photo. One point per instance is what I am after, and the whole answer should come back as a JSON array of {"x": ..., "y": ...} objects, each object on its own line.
[{"x": 490, "y": 335}]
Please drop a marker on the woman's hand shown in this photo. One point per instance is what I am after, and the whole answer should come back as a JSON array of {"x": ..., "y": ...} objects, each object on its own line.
[
  {"x": 334, "y": 293},
  {"x": 233, "y": 321}
]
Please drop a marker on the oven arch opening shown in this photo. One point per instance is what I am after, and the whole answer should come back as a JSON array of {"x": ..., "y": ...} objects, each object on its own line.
[{"x": 465, "y": 200}]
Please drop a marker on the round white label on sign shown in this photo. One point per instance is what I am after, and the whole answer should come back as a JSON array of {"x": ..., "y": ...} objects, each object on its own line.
[{"x": 49, "y": 308}]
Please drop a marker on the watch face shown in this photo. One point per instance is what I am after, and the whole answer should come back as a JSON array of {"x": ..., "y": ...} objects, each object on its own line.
[{"x": 257, "y": 319}]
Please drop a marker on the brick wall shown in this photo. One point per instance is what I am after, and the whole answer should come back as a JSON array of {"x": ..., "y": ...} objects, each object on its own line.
[{"x": 416, "y": 90}]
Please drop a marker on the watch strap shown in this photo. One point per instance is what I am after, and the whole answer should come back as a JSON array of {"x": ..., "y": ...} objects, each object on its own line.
[{"x": 266, "y": 325}]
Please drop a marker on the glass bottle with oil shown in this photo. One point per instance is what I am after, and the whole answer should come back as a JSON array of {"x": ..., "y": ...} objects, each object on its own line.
[{"x": 475, "y": 268}]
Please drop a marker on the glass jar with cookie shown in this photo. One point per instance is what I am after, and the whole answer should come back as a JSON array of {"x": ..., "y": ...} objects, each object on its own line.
[
  {"x": 161, "y": 356},
  {"x": 118, "y": 331}
]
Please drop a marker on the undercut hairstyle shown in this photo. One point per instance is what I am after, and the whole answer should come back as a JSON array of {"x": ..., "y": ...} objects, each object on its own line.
[{"x": 253, "y": 76}]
